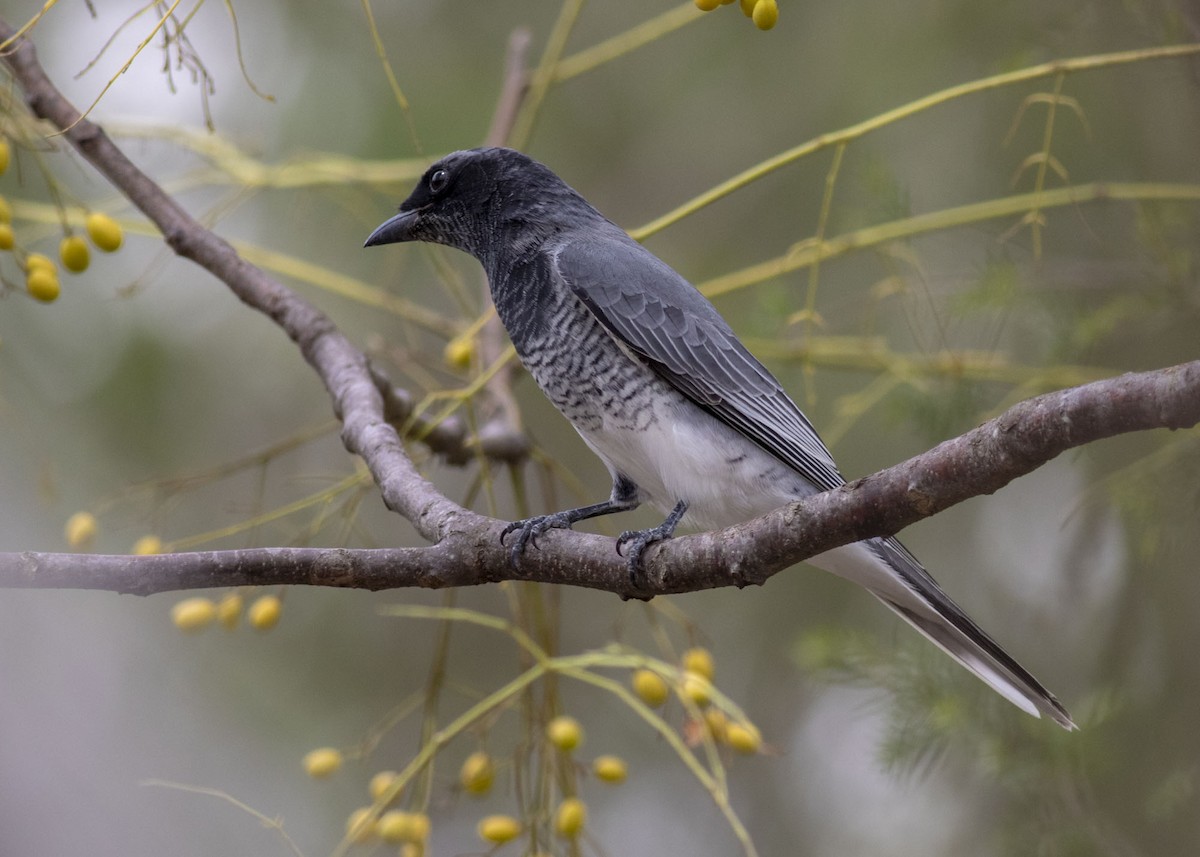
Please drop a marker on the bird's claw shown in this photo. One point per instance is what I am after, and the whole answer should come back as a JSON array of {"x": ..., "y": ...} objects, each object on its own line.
[
  {"x": 528, "y": 531},
  {"x": 631, "y": 544}
]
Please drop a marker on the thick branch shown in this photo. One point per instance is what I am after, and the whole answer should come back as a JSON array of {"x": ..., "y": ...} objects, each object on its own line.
[
  {"x": 979, "y": 462},
  {"x": 341, "y": 366},
  {"x": 982, "y": 461},
  {"x": 466, "y": 547}
]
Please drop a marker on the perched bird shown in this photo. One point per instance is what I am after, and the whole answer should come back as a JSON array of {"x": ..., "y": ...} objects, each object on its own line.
[{"x": 657, "y": 384}]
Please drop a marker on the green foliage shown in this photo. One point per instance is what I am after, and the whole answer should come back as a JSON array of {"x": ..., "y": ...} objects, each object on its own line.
[{"x": 1038, "y": 780}]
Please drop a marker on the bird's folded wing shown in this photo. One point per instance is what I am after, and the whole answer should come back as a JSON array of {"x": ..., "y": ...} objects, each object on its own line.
[{"x": 661, "y": 317}]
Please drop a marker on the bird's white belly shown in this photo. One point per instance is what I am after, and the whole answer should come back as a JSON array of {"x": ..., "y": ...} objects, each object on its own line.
[{"x": 722, "y": 476}]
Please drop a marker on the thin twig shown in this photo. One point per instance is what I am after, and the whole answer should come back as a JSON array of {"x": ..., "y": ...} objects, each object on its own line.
[
  {"x": 904, "y": 111},
  {"x": 513, "y": 89}
]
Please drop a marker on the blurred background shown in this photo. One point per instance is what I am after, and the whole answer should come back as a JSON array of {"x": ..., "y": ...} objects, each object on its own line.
[{"x": 128, "y": 397}]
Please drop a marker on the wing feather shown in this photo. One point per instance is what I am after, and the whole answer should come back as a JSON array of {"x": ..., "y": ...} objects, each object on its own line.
[{"x": 658, "y": 315}]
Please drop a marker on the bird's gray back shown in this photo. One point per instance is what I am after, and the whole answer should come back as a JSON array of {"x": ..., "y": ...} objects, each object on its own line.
[{"x": 657, "y": 315}]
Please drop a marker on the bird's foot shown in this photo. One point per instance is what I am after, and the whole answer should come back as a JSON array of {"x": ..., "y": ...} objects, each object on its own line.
[
  {"x": 632, "y": 544},
  {"x": 639, "y": 540},
  {"x": 528, "y": 531}
]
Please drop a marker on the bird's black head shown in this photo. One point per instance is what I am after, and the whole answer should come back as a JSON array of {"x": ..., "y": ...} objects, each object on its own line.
[{"x": 483, "y": 200}]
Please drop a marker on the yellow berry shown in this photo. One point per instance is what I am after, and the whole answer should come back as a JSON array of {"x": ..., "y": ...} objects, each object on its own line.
[
  {"x": 696, "y": 688},
  {"x": 707, "y": 5},
  {"x": 499, "y": 829},
  {"x": 748, "y": 7},
  {"x": 5, "y": 210},
  {"x": 360, "y": 827},
  {"x": 570, "y": 818},
  {"x": 41, "y": 277},
  {"x": 419, "y": 826},
  {"x": 264, "y": 612},
  {"x": 396, "y": 826},
  {"x": 700, "y": 661},
  {"x": 610, "y": 769},
  {"x": 477, "y": 774},
  {"x": 147, "y": 545},
  {"x": 380, "y": 784},
  {"x": 650, "y": 687},
  {"x": 565, "y": 733},
  {"x": 743, "y": 737},
  {"x": 105, "y": 232},
  {"x": 393, "y": 826},
  {"x": 229, "y": 610},
  {"x": 74, "y": 253},
  {"x": 5, "y": 154},
  {"x": 43, "y": 285},
  {"x": 717, "y": 724},
  {"x": 7, "y": 238},
  {"x": 36, "y": 261},
  {"x": 193, "y": 614},
  {"x": 765, "y": 14},
  {"x": 322, "y": 762},
  {"x": 80, "y": 530},
  {"x": 459, "y": 352}
]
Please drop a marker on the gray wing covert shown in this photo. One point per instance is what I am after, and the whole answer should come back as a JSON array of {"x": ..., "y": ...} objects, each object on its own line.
[{"x": 661, "y": 317}]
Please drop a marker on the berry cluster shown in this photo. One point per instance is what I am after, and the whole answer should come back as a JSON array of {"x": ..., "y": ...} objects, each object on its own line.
[
  {"x": 564, "y": 819},
  {"x": 764, "y": 13},
  {"x": 41, "y": 272}
]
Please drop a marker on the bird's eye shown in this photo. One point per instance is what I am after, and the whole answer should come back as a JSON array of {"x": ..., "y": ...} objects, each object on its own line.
[{"x": 438, "y": 181}]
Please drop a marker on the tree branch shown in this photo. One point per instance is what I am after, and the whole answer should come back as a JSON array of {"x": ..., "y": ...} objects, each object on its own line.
[
  {"x": 466, "y": 549},
  {"x": 981, "y": 461},
  {"x": 344, "y": 369}
]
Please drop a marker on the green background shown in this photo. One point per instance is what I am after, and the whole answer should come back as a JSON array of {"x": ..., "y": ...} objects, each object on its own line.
[{"x": 1084, "y": 570}]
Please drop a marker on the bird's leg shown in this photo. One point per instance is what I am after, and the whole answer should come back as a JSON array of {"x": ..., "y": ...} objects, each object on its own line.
[
  {"x": 624, "y": 497},
  {"x": 638, "y": 540}
]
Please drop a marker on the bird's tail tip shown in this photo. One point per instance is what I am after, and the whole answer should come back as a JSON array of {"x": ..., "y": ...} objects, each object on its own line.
[
  {"x": 972, "y": 648},
  {"x": 1055, "y": 710}
]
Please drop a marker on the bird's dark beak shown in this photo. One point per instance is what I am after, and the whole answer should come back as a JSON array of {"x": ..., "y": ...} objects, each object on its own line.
[{"x": 396, "y": 229}]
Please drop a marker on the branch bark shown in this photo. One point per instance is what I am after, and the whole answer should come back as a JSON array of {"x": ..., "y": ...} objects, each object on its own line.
[
  {"x": 981, "y": 461},
  {"x": 465, "y": 547}
]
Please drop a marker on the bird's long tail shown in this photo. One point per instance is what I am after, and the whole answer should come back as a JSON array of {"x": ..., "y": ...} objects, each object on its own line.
[{"x": 893, "y": 575}]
